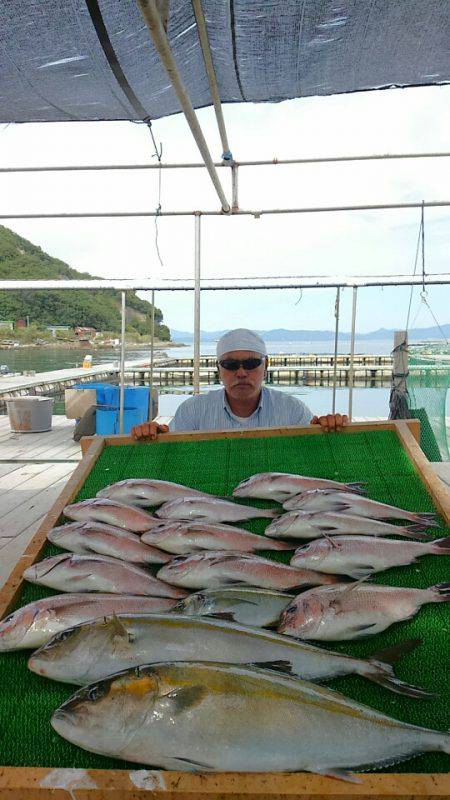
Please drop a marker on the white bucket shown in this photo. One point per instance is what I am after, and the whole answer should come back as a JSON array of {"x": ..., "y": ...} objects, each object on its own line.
[{"x": 30, "y": 414}]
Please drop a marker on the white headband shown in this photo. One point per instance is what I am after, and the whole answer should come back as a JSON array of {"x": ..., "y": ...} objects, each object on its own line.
[{"x": 240, "y": 339}]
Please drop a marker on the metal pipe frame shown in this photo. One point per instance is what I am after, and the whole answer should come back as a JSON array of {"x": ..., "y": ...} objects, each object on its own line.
[
  {"x": 211, "y": 73},
  {"x": 336, "y": 337},
  {"x": 351, "y": 370},
  {"x": 275, "y": 162},
  {"x": 152, "y": 355},
  {"x": 211, "y": 285},
  {"x": 257, "y": 213},
  {"x": 155, "y": 25},
  {"x": 196, "y": 374},
  {"x": 122, "y": 366}
]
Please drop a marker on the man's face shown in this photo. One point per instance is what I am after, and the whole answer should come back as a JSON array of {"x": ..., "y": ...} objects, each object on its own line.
[{"x": 243, "y": 384}]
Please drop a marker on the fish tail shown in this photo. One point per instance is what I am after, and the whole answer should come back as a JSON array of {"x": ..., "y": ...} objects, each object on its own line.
[
  {"x": 415, "y": 532},
  {"x": 441, "y": 546},
  {"x": 270, "y": 513},
  {"x": 379, "y": 670},
  {"x": 356, "y": 487},
  {"x": 427, "y": 519},
  {"x": 440, "y": 592}
]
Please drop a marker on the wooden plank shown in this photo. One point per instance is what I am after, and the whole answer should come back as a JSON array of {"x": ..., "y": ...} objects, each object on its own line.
[
  {"x": 140, "y": 784},
  {"x": 310, "y": 430},
  {"x": 40, "y": 482},
  {"x": 12, "y": 586},
  {"x": 33, "y": 509},
  {"x": 439, "y": 493}
]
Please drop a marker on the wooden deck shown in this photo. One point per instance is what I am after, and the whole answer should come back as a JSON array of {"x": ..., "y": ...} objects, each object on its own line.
[{"x": 34, "y": 468}]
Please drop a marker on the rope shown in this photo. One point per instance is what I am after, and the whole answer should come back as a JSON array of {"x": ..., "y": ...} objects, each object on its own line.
[{"x": 158, "y": 155}]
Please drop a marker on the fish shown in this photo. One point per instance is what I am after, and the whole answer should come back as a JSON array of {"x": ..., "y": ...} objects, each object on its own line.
[
  {"x": 300, "y": 525},
  {"x": 209, "y": 569},
  {"x": 329, "y": 500},
  {"x": 187, "y": 537},
  {"x": 246, "y": 605},
  {"x": 213, "y": 509},
  {"x": 34, "y": 624},
  {"x": 358, "y": 556},
  {"x": 113, "y": 513},
  {"x": 280, "y": 486},
  {"x": 345, "y": 612},
  {"x": 94, "y": 573},
  {"x": 197, "y": 717},
  {"x": 147, "y": 491},
  {"x": 107, "y": 540},
  {"x": 93, "y": 650}
]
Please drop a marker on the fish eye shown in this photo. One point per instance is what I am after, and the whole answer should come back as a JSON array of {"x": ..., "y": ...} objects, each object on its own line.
[
  {"x": 96, "y": 692},
  {"x": 61, "y": 637},
  {"x": 7, "y": 619}
]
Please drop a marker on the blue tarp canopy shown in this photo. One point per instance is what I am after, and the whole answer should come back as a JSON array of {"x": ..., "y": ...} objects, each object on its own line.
[{"x": 94, "y": 59}]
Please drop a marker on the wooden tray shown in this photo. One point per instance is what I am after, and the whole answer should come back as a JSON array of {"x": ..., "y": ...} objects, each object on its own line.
[{"x": 30, "y": 783}]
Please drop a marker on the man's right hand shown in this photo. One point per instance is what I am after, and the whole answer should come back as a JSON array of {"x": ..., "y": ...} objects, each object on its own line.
[{"x": 148, "y": 430}]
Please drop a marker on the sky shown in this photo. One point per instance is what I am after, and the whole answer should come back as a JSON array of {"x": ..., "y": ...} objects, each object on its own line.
[{"x": 339, "y": 244}]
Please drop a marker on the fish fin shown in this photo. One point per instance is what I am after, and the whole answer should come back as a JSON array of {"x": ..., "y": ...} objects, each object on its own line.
[
  {"x": 415, "y": 531},
  {"x": 441, "y": 592},
  {"x": 277, "y": 666},
  {"x": 187, "y": 765},
  {"x": 224, "y": 615},
  {"x": 350, "y": 588},
  {"x": 392, "y": 654},
  {"x": 340, "y": 774},
  {"x": 442, "y": 545},
  {"x": 429, "y": 520},
  {"x": 333, "y": 540},
  {"x": 357, "y": 488},
  {"x": 362, "y": 572},
  {"x": 381, "y": 671},
  {"x": 185, "y": 697}
]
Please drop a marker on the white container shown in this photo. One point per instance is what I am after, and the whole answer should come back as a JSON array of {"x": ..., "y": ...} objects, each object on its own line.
[{"x": 30, "y": 414}]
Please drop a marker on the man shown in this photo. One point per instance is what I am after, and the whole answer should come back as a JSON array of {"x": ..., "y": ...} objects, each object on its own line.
[{"x": 243, "y": 402}]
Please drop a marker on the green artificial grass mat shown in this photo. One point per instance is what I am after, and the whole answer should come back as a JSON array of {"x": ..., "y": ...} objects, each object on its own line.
[{"x": 27, "y": 700}]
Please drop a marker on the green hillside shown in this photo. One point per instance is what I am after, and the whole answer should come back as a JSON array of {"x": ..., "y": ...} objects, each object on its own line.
[{"x": 99, "y": 308}]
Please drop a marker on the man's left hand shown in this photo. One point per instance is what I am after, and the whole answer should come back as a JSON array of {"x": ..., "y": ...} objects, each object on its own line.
[{"x": 330, "y": 422}]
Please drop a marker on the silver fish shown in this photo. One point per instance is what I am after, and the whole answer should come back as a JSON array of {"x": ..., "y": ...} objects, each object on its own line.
[
  {"x": 300, "y": 525},
  {"x": 34, "y": 624},
  {"x": 212, "y": 509},
  {"x": 187, "y": 537},
  {"x": 246, "y": 605},
  {"x": 215, "y": 717},
  {"x": 113, "y": 513},
  {"x": 206, "y": 570},
  {"x": 95, "y": 649},
  {"x": 358, "y": 556},
  {"x": 147, "y": 491},
  {"x": 280, "y": 486},
  {"x": 107, "y": 540},
  {"x": 94, "y": 573},
  {"x": 340, "y": 612},
  {"x": 329, "y": 500}
]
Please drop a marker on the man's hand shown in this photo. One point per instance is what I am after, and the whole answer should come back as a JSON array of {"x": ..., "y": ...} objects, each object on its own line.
[
  {"x": 330, "y": 422},
  {"x": 148, "y": 430}
]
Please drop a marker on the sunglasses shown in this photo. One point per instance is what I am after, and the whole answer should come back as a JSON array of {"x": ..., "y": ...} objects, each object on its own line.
[{"x": 233, "y": 364}]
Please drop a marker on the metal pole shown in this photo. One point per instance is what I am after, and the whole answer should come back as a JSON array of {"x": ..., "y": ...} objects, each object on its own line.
[
  {"x": 234, "y": 188},
  {"x": 196, "y": 376},
  {"x": 152, "y": 351},
  {"x": 122, "y": 366},
  {"x": 352, "y": 357},
  {"x": 154, "y": 24},
  {"x": 211, "y": 73},
  {"x": 336, "y": 335}
]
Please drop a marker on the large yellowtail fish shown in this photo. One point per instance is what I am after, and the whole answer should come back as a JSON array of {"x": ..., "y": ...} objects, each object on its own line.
[
  {"x": 107, "y": 540},
  {"x": 187, "y": 537},
  {"x": 101, "y": 509},
  {"x": 332, "y": 613},
  {"x": 34, "y": 624},
  {"x": 217, "y": 568},
  {"x": 147, "y": 491},
  {"x": 330, "y": 500},
  {"x": 280, "y": 486},
  {"x": 217, "y": 717},
  {"x": 70, "y": 572},
  {"x": 93, "y": 650},
  {"x": 359, "y": 556},
  {"x": 211, "y": 508}
]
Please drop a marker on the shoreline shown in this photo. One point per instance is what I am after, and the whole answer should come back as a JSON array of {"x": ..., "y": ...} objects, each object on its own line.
[{"x": 158, "y": 345}]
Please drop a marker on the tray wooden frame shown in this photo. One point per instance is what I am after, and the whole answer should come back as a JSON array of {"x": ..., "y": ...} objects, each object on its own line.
[{"x": 40, "y": 783}]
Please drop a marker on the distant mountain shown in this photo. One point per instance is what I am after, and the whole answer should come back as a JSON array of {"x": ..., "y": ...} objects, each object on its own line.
[{"x": 285, "y": 335}]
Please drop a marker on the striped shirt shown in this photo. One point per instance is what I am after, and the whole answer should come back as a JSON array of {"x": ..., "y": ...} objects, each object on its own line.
[{"x": 208, "y": 412}]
